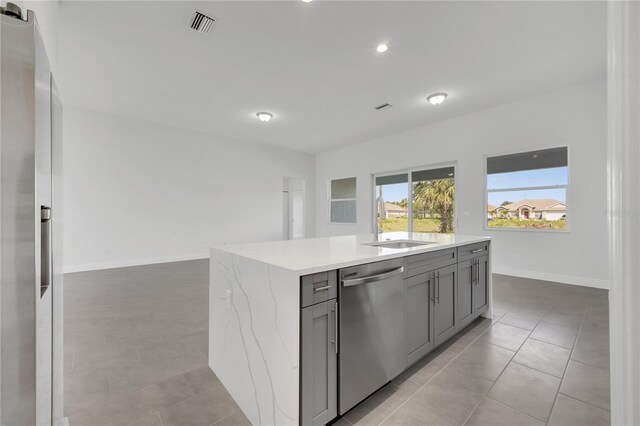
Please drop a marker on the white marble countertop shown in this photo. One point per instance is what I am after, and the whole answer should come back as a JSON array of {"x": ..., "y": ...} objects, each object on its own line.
[{"x": 311, "y": 255}]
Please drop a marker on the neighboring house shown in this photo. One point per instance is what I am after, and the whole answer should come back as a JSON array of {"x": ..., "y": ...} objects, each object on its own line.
[
  {"x": 394, "y": 210},
  {"x": 490, "y": 210},
  {"x": 547, "y": 209}
]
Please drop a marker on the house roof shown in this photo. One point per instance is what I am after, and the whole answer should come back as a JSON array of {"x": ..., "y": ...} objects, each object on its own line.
[
  {"x": 544, "y": 204},
  {"x": 394, "y": 208},
  {"x": 490, "y": 207}
]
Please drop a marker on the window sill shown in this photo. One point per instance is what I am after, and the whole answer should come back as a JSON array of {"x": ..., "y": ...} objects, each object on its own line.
[{"x": 544, "y": 231}]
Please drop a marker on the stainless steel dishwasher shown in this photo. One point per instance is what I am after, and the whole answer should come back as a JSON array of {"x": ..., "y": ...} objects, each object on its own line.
[{"x": 371, "y": 329}]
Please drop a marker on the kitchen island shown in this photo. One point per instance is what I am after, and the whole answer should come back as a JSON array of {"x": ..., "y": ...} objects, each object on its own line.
[{"x": 284, "y": 316}]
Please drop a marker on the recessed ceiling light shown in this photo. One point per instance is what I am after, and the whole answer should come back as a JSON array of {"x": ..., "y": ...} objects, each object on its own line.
[
  {"x": 382, "y": 48},
  {"x": 264, "y": 116},
  {"x": 437, "y": 98},
  {"x": 307, "y": 1}
]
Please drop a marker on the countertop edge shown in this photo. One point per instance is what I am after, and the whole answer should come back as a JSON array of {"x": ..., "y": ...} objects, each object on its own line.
[{"x": 337, "y": 265}]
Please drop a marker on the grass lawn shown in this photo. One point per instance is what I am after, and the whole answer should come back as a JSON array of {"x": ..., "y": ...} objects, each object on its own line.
[
  {"x": 419, "y": 225},
  {"x": 531, "y": 224}
]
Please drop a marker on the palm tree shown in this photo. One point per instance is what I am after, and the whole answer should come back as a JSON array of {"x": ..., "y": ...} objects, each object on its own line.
[{"x": 437, "y": 196}]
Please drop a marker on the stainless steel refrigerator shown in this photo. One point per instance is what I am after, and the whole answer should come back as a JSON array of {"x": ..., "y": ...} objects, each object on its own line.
[{"x": 31, "y": 290}]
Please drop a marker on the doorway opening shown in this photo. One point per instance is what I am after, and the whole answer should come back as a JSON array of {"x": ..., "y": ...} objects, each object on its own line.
[{"x": 293, "y": 208}]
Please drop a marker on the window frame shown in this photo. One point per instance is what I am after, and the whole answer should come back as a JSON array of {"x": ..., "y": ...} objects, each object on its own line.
[
  {"x": 330, "y": 200},
  {"x": 409, "y": 172},
  {"x": 567, "y": 228}
]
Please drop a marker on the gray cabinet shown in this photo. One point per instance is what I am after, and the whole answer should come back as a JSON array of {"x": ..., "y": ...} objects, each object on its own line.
[
  {"x": 430, "y": 311},
  {"x": 444, "y": 291},
  {"x": 472, "y": 286},
  {"x": 444, "y": 319},
  {"x": 418, "y": 312},
  {"x": 481, "y": 288},
  {"x": 319, "y": 351},
  {"x": 473, "y": 250},
  {"x": 318, "y": 288},
  {"x": 465, "y": 312}
]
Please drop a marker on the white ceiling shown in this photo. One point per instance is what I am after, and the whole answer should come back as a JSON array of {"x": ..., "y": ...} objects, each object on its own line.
[{"x": 314, "y": 65}]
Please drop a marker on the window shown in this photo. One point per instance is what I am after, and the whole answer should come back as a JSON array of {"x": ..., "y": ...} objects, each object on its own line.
[
  {"x": 392, "y": 205},
  {"x": 342, "y": 200},
  {"x": 528, "y": 190},
  {"x": 415, "y": 201}
]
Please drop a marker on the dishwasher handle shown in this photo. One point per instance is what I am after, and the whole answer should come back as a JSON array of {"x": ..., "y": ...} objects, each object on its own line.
[{"x": 373, "y": 278}]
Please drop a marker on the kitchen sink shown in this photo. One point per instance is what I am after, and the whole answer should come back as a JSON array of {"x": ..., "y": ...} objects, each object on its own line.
[{"x": 399, "y": 244}]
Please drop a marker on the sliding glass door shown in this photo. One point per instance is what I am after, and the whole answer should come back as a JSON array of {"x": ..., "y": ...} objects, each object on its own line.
[
  {"x": 421, "y": 200},
  {"x": 433, "y": 197},
  {"x": 392, "y": 205}
]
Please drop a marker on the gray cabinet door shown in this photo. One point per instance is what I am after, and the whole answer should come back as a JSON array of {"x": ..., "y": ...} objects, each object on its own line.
[
  {"x": 418, "y": 310},
  {"x": 465, "y": 286},
  {"x": 319, "y": 387},
  {"x": 480, "y": 294},
  {"x": 444, "y": 319}
]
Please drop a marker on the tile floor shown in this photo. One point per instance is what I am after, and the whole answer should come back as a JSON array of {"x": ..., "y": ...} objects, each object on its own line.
[
  {"x": 136, "y": 347},
  {"x": 136, "y": 344}
]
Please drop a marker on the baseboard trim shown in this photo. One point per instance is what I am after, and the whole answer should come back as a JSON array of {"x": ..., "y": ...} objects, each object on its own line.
[
  {"x": 524, "y": 273},
  {"x": 136, "y": 262},
  {"x": 559, "y": 278}
]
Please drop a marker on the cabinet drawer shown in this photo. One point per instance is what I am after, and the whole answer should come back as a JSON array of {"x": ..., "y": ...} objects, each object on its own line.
[
  {"x": 425, "y": 262},
  {"x": 318, "y": 288},
  {"x": 472, "y": 251}
]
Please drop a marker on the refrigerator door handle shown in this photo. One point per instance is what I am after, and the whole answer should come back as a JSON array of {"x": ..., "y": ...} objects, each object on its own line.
[{"x": 46, "y": 250}]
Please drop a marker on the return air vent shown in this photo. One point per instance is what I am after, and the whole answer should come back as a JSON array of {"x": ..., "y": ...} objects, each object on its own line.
[
  {"x": 383, "y": 107},
  {"x": 202, "y": 23}
]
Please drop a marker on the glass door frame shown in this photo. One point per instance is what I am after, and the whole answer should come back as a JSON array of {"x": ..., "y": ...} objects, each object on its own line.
[{"x": 409, "y": 173}]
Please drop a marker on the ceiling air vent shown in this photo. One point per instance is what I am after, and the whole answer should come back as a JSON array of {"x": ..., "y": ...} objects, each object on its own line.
[
  {"x": 202, "y": 23},
  {"x": 383, "y": 107}
]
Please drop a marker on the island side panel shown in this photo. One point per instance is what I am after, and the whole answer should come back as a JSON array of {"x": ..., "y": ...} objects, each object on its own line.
[
  {"x": 489, "y": 312},
  {"x": 254, "y": 314}
]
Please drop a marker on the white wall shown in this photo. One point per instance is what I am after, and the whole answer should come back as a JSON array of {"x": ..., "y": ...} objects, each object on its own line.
[
  {"x": 575, "y": 117},
  {"x": 137, "y": 193}
]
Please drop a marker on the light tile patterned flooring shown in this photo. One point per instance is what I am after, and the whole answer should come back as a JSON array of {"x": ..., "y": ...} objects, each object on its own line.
[{"x": 136, "y": 343}]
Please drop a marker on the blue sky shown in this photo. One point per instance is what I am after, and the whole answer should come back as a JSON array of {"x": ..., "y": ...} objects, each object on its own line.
[
  {"x": 395, "y": 192},
  {"x": 543, "y": 177}
]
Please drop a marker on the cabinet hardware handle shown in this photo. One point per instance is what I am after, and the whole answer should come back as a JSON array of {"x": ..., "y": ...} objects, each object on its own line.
[
  {"x": 473, "y": 272},
  {"x": 432, "y": 288},
  {"x": 438, "y": 285},
  {"x": 319, "y": 289},
  {"x": 477, "y": 250},
  {"x": 335, "y": 331},
  {"x": 477, "y": 271}
]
